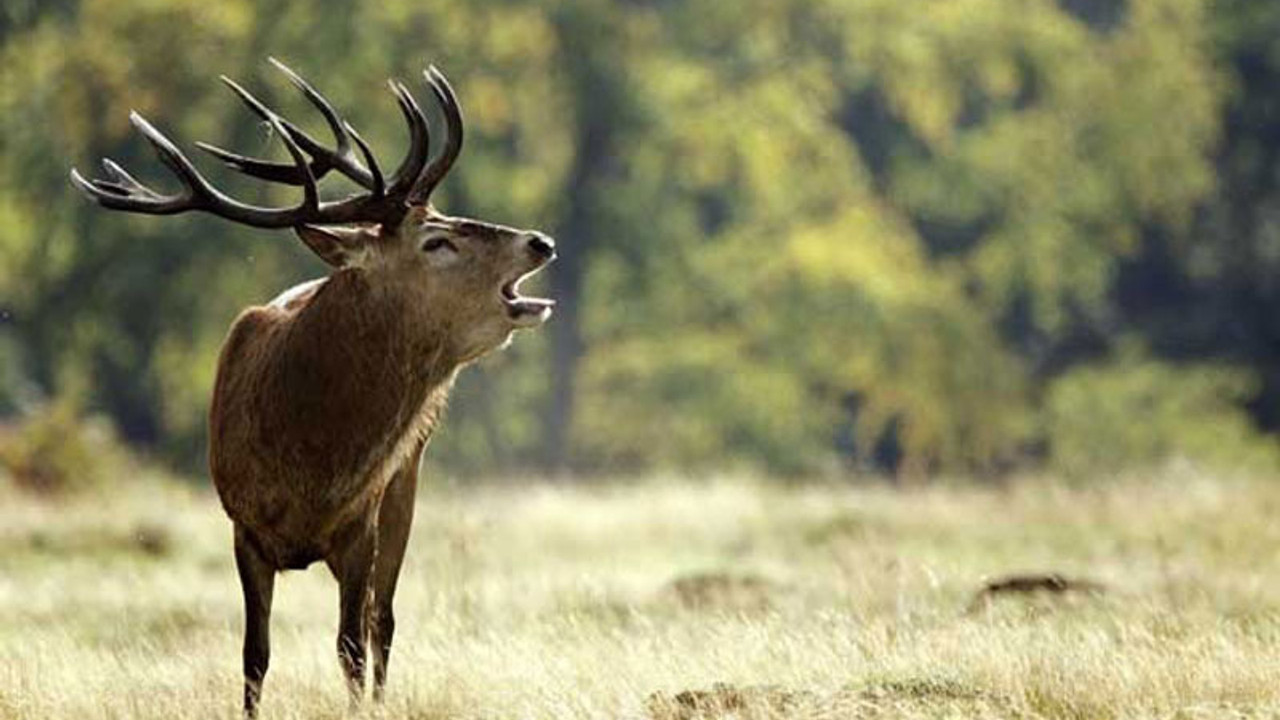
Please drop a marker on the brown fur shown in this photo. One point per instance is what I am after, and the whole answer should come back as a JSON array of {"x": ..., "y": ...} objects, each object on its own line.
[
  {"x": 324, "y": 402},
  {"x": 326, "y": 398}
]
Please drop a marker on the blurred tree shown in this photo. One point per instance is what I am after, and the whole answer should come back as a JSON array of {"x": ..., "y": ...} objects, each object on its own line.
[
  {"x": 913, "y": 213},
  {"x": 795, "y": 234},
  {"x": 594, "y": 43},
  {"x": 1214, "y": 295}
]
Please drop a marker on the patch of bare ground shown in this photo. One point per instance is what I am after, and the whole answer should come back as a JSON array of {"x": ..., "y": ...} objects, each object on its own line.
[
  {"x": 143, "y": 539},
  {"x": 728, "y": 701},
  {"x": 918, "y": 697},
  {"x": 912, "y": 697},
  {"x": 723, "y": 591},
  {"x": 1042, "y": 586}
]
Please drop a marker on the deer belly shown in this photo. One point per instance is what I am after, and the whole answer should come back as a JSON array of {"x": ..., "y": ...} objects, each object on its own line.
[
  {"x": 299, "y": 517},
  {"x": 296, "y": 526}
]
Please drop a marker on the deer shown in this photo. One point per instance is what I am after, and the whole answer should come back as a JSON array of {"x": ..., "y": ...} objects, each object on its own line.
[{"x": 326, "y": 397}]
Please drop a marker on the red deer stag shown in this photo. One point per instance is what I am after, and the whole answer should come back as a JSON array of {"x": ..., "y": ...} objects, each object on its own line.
[{"x": 326, "y": 397}]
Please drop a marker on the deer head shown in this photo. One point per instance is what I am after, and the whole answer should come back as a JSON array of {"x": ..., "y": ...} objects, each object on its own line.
[{"x": 467, "y": 272}]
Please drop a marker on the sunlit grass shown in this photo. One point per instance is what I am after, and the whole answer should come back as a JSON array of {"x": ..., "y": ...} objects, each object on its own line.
[{"x": 646, "y": 600}]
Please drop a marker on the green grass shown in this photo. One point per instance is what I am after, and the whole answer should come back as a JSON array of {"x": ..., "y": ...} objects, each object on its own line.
[{"x": 676, "y": 599}]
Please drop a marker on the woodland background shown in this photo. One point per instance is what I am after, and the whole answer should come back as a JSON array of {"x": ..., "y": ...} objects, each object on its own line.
[{"x": 797, "y": 237}]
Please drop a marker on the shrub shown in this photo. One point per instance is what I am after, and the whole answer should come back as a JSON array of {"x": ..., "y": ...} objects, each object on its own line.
[
  {"x": 55, "y": 450},
  {"x": 1133, "y": 412}
]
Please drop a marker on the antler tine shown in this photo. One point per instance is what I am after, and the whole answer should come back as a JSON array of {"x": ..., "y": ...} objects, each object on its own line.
[
  {"x": 419, "y": 141},
  {"x": 341, "y": 158},
  {"x": 121, "y": 186},
  {"x": 435, "y": 172},
  {"x": 379, "y": 184},
  {"x": 171, "y": 156},
  {"x": 322, "y": 104},
  {"x": 283, "y": 173},
  {"x": 120, "y": 176},
  {"x": 120, "y": 197},
  {"x": 310, "y": 190}
]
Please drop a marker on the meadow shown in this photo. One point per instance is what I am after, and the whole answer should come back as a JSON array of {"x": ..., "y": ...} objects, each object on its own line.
[{"x": 677, "y": 598}]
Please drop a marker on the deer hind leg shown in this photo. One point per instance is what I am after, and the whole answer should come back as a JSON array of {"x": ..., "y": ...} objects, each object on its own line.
[
  {"x": 395, "y": 517},
  {"x": 257, "y": 581},
  {"x": 352, "y": 565}
]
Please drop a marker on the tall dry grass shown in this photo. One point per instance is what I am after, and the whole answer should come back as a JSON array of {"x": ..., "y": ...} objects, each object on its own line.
[{"x": 675, "y": 599}]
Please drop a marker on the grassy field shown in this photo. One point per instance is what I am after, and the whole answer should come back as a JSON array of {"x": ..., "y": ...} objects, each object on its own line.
[{"x": 715, "y": 598}]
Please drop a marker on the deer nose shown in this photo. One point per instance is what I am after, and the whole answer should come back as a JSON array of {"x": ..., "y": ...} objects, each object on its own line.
[{"x": 541, "y": 245}]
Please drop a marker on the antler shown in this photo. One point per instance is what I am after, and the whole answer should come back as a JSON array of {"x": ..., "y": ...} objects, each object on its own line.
[
  {"x": 436, "y": 171},
  {"x": 385, "y": 202},
  {"x": 340, "y": 158}
]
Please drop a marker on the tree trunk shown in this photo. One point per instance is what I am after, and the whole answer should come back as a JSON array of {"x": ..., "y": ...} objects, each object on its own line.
[{"x": 589, "y": 57}]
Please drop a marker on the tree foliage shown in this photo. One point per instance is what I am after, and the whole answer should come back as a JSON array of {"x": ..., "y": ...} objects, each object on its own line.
[{"x": 916, "y": 236}]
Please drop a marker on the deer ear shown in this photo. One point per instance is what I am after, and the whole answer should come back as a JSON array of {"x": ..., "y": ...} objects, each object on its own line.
[{"x": 337, "y": 245}]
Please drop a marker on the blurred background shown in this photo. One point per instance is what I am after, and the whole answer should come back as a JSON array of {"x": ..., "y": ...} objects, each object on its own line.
[{"x": 799, "y": 238}]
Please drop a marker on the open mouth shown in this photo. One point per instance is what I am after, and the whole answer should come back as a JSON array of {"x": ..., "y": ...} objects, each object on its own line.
[{"x": 524, "y": 310}]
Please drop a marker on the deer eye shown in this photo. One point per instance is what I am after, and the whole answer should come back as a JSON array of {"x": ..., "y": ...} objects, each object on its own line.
[{"x": 438, "y": 243}]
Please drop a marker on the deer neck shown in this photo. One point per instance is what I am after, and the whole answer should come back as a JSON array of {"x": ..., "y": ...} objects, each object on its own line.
[{"x": 365, "y": 358}]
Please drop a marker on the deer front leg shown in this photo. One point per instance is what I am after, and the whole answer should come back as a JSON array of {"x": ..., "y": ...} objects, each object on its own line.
[
  {"x": 395, "y": 517},
  {"x": 257, "y": 581},
  {"x": 353, "y": 566}
]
